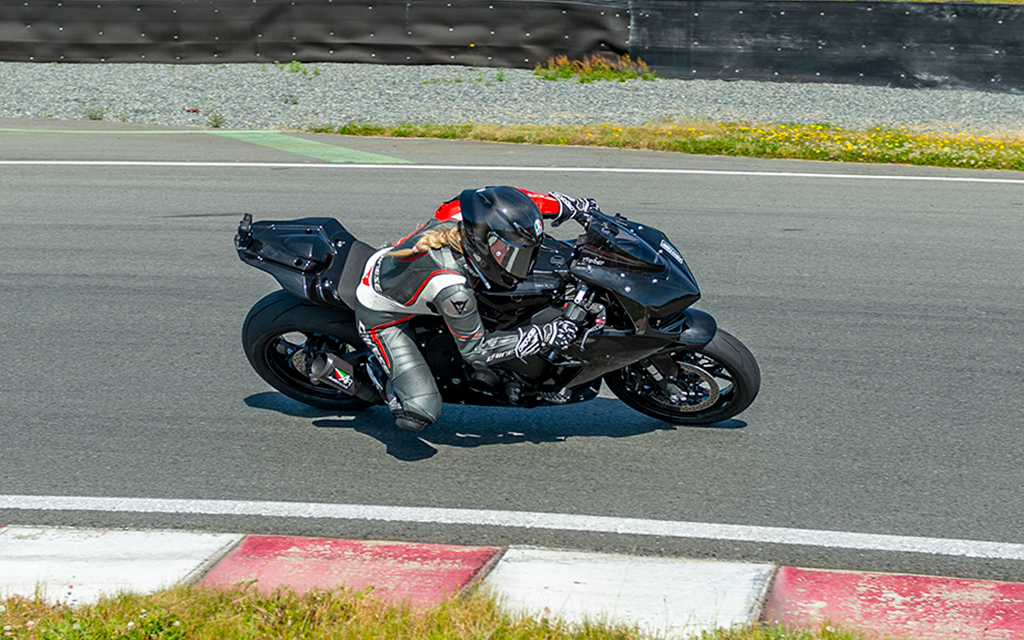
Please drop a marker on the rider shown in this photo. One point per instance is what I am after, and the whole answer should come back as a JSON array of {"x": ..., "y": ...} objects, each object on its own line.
[{"x": 489, "y": 236}]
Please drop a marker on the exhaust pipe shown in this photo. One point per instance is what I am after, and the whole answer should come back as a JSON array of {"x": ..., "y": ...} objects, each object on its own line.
[{"x": 337, "y": 373}]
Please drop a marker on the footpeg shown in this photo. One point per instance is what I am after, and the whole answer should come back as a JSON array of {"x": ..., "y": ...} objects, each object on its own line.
[
  {"x": 334, "y": 372},
  {"x": 555, "y": 397},
  {"x": 301, "y": 362}
]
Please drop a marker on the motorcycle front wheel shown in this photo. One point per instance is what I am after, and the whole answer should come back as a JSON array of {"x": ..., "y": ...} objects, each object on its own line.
[
  {"x": 691, "y": 387},
  {"x": 282, "y": 331}
]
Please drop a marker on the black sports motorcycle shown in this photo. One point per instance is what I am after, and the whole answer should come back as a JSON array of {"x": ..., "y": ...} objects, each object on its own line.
[{"x": 624, "y": 283}]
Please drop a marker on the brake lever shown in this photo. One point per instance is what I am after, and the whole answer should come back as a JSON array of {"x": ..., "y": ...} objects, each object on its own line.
[{"x": 600, "y": 320}]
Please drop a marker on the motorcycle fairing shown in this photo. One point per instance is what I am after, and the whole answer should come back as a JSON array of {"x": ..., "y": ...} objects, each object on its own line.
[
  {"x": 643, "y": 270},
  {"x": 613, "y": 349}
]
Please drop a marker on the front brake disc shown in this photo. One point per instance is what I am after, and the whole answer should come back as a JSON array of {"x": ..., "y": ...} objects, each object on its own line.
[{"x": 692, "y": 383}]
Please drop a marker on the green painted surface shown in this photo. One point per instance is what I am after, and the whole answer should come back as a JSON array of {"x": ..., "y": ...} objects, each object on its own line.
[
  {"x": 271, "y": 139},
  {"x": 306, "y": 147}
]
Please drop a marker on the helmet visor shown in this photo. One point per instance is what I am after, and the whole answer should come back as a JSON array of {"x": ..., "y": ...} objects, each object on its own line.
[{"x": 516, "y": 259}]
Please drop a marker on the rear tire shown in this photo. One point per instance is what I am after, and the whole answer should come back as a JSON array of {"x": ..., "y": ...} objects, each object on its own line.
[
  {"x": 280, "y": 325},
  {"x": 717, "y": 382}
]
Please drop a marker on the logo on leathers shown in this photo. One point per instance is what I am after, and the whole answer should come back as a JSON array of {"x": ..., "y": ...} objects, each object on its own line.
[{"x": 459, "y": 304}]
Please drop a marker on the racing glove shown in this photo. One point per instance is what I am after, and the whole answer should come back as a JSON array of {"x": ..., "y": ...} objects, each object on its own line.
[
  {"x": 557, "y": 334},
  {"x": 570, "y": 208}
]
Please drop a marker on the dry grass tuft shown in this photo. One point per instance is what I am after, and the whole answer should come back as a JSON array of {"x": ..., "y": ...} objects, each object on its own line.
[
  {"x": 592, "y": 68},
  {"x": 883, "y": 145},
  {"x": 243, "y": 613}
]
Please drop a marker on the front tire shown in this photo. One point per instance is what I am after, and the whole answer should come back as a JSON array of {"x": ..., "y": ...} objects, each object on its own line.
[
  {"x": 281, "y": 330},
  {"x": 710, "y": 385}
]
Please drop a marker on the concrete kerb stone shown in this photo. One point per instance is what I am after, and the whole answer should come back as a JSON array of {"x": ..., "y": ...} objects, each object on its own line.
[
  {"x": 664, "y": 597},
  {"x": 78, "y": 566}
]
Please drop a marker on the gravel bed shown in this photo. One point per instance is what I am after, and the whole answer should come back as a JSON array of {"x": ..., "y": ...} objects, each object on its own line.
[{"x": 267, "y": 96}]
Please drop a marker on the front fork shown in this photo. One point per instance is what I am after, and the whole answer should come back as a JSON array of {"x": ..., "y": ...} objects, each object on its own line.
[{"x": 680, "y": 380}]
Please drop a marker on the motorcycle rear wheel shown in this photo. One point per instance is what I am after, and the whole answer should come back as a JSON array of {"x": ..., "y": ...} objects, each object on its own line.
[
  {"x": 712, "y": 384},
  {"x": 279, "y": 326}
]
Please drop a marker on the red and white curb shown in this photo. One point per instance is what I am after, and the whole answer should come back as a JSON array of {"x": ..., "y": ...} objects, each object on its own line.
[
  {"x": 920, "y": 607},
  {"x": 418, "y": 574},
  {"x": 665, "y": 597},
  {"x": 80, "y": 565}
]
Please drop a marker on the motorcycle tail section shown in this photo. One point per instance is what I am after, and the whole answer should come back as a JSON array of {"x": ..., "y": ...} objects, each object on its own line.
[{"x": 316, "y": 259}]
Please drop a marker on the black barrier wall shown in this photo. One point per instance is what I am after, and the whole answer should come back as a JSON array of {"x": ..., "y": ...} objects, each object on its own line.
[
  {"x": 901, "y": 44},
  {"x": 507, "y": 33},
  {"x": 904, "y": 44}
]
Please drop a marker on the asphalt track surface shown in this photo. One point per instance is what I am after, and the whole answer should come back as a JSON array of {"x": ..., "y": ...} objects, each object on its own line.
[{"x": 884, "y": 305}]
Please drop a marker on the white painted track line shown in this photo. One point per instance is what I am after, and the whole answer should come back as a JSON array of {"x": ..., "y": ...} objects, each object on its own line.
[
  {"x": 77, "y": 566},
  {"x": 529, "y": 520},
  {"x": 498, "y": 168},
  {"x": 664, "y": 597}
]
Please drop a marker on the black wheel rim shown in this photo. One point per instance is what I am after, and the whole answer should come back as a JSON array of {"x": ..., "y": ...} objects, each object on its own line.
[
  {"x": 280, "y": 351},
  {"x": 706, "y": 385}
]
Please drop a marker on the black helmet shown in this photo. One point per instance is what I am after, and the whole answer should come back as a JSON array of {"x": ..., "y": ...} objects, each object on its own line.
[{"x": 501, "y": 233}]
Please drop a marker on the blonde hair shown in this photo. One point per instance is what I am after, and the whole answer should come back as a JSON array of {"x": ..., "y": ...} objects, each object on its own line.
[{"x": 436, "y": 239}]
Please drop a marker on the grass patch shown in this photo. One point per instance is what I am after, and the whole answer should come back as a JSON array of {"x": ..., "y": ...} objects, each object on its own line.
[
  {"x": 185, "y": 613},
  {"x": 593, "y": 68},
  {"x": 215, "y": 120},
  {"x": 883, "y": 145},
  {"x": 297, "y": 67},
  {"x": 95, "y": 112}
]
